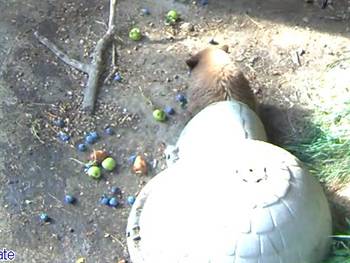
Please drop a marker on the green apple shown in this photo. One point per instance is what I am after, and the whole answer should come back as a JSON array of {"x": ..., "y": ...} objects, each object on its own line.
[
  {"x": 135, "y": 34},
  {"x": 159, "y": 115},
  {"x": 108, "y": 164},
  {"x": 173, "y": 15},
  {"x": 94, "y": 172}
]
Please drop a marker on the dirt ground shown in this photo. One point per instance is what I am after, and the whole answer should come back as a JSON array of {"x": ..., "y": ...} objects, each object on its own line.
[{"x": 38, "y": 170}]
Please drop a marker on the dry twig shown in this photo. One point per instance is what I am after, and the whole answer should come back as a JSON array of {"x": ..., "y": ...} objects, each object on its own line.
[{"x": 93, "y": 69}]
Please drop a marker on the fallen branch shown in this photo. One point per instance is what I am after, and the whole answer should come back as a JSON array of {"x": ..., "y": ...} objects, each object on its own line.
[
  {"x": 84, "y": 67},
  {"x": 93, "y": 69}
]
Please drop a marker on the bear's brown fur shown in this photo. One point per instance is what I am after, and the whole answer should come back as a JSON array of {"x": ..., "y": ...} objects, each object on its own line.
[{"x": 215, "y": 77}]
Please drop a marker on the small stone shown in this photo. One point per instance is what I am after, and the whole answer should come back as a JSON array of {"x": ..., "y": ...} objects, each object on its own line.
[
  {"x": 295, "y": 58},
  {"x": 306, "y": 19},
  {"x": 253, "y": 59},
  {"x": 187, "y": 27}
]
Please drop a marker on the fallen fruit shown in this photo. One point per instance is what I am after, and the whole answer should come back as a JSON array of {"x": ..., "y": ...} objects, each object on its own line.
[
  {"x": 64, "y": 137},
  {"x": 118, "y": 78},
  {"x": 132, "y": 159},
  {"x": 69, "y": 199},
  {"x": 203, "y": 2},
  {"x": 95, "y": 135},
  {"x": 159, "y": 115},
  {"x": 94, "y": 172},
  {"x": 169, "y": 110},
  {"x": 145, "y": 11},
  {"x": 173, "y": 14},
  {"x": 213, "y": 42},
  {"x": 135, "y": 34},
  {"x": 59, "y": 123},
  {"x": 113, "y": 201},
  {"x": 109, "y": 131},
  {"x": 104, "y": 200},
  {"x": 130, "y": 200},
  {"x": 89, "y": 139},
  {"x": 139, "y": 166},
  {"x": 108, "y": 164},
  {"x": 44, "y": 217},
  {"x": 115, "y": 190},
  {"x": 81, "y": 147},
  {"x": 97, "y": 156},
  {"x": 180, "y": 97}
]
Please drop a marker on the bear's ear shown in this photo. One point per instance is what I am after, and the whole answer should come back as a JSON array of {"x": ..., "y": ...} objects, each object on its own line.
[
  {"x": 225, "y": 48},
  {"x": 193, "y": 61}
]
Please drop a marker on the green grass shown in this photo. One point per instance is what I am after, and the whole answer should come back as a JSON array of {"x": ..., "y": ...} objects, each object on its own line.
[
  {"x": 341, "y": 248},
  {"x": 322, "y": 141}
]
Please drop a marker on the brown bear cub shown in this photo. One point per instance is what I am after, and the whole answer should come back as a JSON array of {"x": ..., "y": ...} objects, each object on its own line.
[{"x": 215, "y": 77}]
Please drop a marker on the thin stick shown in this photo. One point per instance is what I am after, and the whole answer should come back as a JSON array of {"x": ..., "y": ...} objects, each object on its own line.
[
  {"x": 147, "y": 99},
  {"x": 61, "y": 55},
  {"x": 256, "y": 23},
  {"x": 112, "y": 9},
  {"x": 77, "y": 161},
  {"x": 111, "y": 22},
  {"x": 36, "y": 134},
  {"x": 95, "y": 68},
  {"x": 110, "y": 74},
  {"x": 116, "y": 239}
]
